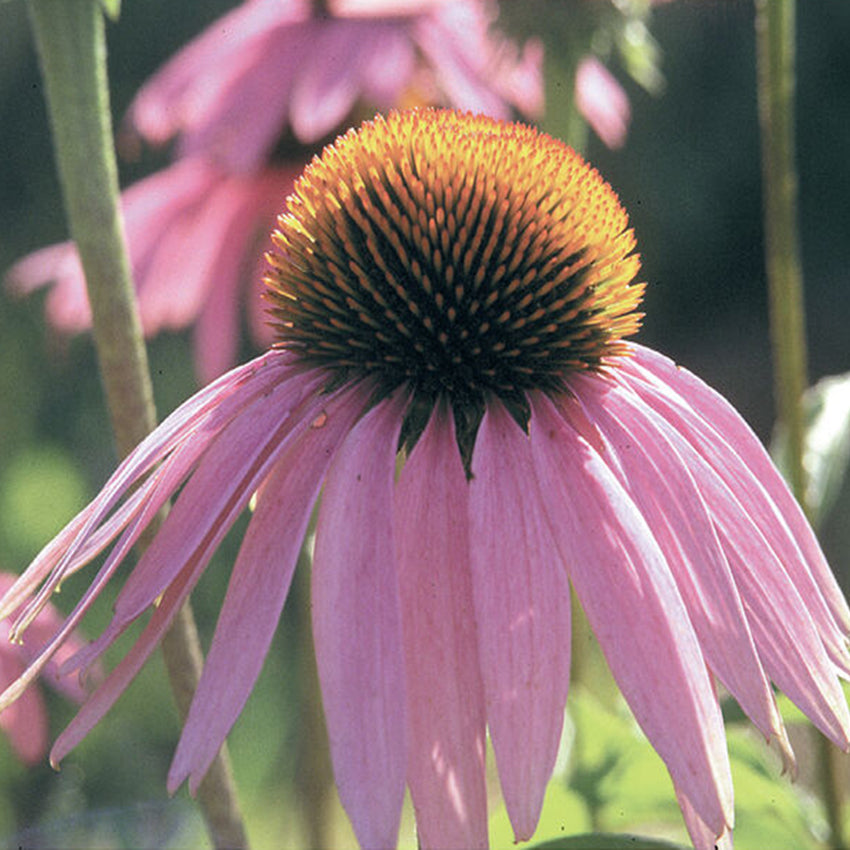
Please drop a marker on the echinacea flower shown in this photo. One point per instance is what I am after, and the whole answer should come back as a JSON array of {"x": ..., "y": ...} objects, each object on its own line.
[
  {"x": 450, "y": 294},
  {"x": 269, "y": 71},
  {"x": 276, "y": 66},
  {"x": 25, "y": 722}
]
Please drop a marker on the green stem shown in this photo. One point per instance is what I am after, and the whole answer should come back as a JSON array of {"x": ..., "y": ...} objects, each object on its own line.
[
  {"x": 71, "y": 47},
  {"x": 775, "y": 40}
]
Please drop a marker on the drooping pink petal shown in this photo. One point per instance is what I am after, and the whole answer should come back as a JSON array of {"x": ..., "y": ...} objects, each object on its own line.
[
  {"x": 725, "y": 421},
  {"x": 522, "y": 606},
  {"x": 67, "y": 305},
  {"x": 236, "y": 279},
  {"x": 602, "y": 101},
  {"x": 635, "y": 610},
  {"x": 786, "y": 635},
  {"x": 173, "y": 597},
  {"x": 258, "y": 588},
  {"x": 55, "y": 562},
  {"x": 126, "y": 670},
  {"x": 357, "y": 628},
  {"x": 798, "y": 640},
  {"x": 182, "y": 96},
  {"x": 474, "y": 68},
  {"x": 445, "y": 698},
  {"x": 659, "y": 482},
  {"x": 200, "y": 418},
  {"x": 328, "y": 83},
  {"x": 702, "y": 836},
  {"x": 227, "y": 476}
]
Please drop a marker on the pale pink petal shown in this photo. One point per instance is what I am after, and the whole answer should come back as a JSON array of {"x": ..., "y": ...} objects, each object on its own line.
[
  {"x": 445, "y": 699},
  {"x": 201, "y": 417},
  {"x": 257, "y": 590},
  {"x": 635, "y": 610},
  {"x": 328, "y": 83},
  {"x": 180, "y": 96},
  {"x": 522, "y": 605},
  {"x": 384, "y": 8},
  {"x": 67, "y": 305},
  {"x": 725, "y": 421},
  {"x": 221, "y": 486},
  {"x": 245, "y": 231},
  {"x": 702, "y": 836},
  {"x": 475, "y": 68},
  {"x": 357, "y": 629},
  {"x": 797, "y": 639},
  {"x": 659, "y": 482},
  {"x": 126, "y": 670},
  {"x": 602, "y": 101},
  {"x": 53, "y": 562}
]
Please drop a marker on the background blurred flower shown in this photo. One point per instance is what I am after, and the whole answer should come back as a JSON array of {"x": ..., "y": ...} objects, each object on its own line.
[
  {"x": 602, "y": 101},
  {"x": 26, "y": 722},
  {"x": 235, "y": 97},
  {"x": 272, "y": 66},
  {"x": 197, "y": 235}
]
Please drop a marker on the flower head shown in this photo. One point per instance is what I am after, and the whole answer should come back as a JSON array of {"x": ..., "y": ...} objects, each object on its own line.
[{"x": 458, "y": 290}]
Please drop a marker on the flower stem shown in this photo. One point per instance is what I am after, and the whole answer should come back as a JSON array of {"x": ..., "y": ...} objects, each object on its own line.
[
  {"x": 71, "y": 46},
  {"x": 775, "y": 42}
]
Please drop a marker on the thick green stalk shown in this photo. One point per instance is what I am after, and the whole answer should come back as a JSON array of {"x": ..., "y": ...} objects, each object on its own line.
[
  {"x": 775, "y": 43},
  {"x": 71, "y": 46}
]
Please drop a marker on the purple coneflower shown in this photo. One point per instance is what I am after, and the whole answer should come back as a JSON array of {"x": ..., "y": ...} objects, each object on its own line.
[
  {"x": 248, "y": 99},
  {"x": 453, "y": 292},
  {"x": 271, "y": 66}
]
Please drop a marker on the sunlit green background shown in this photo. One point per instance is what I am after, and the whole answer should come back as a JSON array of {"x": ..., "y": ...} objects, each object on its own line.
[{"x": 689, "y": 175}]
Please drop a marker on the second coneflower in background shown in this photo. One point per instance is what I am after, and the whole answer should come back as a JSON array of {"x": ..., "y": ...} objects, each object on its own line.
[{"x": 457, "y": 290}]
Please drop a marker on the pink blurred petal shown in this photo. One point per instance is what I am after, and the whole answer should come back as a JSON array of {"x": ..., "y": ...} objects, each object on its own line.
[
  {"x": 522, "y": 605},
  {"x": 54, "y": 561},
  {"x": 357, "y": 628},
  {"x": 172, "y": 99},
  {"x": 602, "y": 101},
  {"x": 475, "y": 68},
  {"x": 25, "y": 721},
  {"x": 67, "y": 304},
  {"x": 257, "y": 590},
  {"x": 445, "y": 699},
  {"x": 635, "y": 610}
]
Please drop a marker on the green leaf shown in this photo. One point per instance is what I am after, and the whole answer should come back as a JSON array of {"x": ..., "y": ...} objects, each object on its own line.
[
  {"x": 564, "y": 811},
  {"x": 606, "y": 841},
  {"x": 826, "y": 453}
]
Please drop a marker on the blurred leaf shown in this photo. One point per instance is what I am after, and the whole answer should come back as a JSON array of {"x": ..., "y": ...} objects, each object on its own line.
[
  {"x": 564, "y": 811},
  {"x": 770, "y": 811},
  {"x": 606, "y": 841},
  {"x": 826, "y": 408},
  {"x": 40, "y": 490}
]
